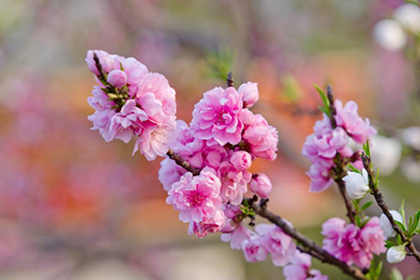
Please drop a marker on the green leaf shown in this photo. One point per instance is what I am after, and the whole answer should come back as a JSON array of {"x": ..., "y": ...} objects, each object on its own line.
[
  {"x": 358, "y": 221},
  {"x": 402, "y": 211},
  {"x": 378, "y": 270},
  {"x": 396, "y": 274},
  {"x": 414, "y": 2},
  {"x": 377, "y": 177},
  {"x": 353, "y": 168},
  {"x": 401, "y": 225},
  {"x": 366, "y": 205},
  {"x": 389, "y": 244},
  {"x": 366, "y": 148},
  {"x": 325, "y": 101}
]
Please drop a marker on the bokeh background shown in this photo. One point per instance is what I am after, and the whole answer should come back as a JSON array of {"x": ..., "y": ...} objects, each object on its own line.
[{"x": 75, "y": 207}]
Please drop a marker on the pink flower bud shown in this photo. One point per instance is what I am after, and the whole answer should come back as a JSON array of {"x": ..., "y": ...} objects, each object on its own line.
[
  {"x": 261, "y": 185},
  {"x": 241, "y": 160},
  {"x": 117, "y": 78},
  {"x": 106, "y": 60},
  {"x": 250, "y": 94}
]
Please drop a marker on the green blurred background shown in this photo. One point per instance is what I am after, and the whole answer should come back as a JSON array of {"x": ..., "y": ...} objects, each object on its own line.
[{"x": 75, "y": 207}]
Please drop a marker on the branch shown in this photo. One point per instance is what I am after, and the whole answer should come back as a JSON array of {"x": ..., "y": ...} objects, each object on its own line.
[
  {"x": 230, "y": 79},
  {"x": 340, "y": 172},
  {"x": 310, "y": 246},
  {"x": 382, "y": 204},
  {"x": 181, "y": 162}
]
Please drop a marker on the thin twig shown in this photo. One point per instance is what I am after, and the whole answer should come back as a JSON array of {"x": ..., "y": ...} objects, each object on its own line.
[
  {"x": 339, "y": 172},
  {"x": 382, "y": 204},
  {"x": 181, "y": 162},
  {"x": 310, "y": 246},
  {"x": 230, "y": 79}
]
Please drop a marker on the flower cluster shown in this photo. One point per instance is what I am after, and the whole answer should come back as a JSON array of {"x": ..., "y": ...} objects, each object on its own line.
[
  {"x": 131, "y": 101},
  {"x": 351, "y": 244},
  {"x": 299, "y": 269},
  {"x": 223, "y": 139},
  {"x": 323, "y": 146},
  {"x": 267, "y": 239}
]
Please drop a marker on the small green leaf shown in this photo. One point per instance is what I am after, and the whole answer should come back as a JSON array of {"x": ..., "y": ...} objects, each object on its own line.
[
  {"x": 414, "y": 2},
  {"x": 389, "y": 244},
  {"x": 366, "y": 205},
  {"x": 352, "y": 168},
  {"x": 325, "y": 101},
  {"x": 402, "y": 211},
  {"x": 396, "y": 274},
  {"x": 378, "y": 270},
  {"x": 366, "y": 148},
  {"x": 358, "y": 221},
  {"x": 401, "y": 225}
]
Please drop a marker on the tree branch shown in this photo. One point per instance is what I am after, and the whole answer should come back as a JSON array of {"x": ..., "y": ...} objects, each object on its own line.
[
  {"x": 311, "y": 247},
  {"x": 339, "y": 171},
  {"x": 181, "y": 162},
  {"x": 382, "y": 204}
]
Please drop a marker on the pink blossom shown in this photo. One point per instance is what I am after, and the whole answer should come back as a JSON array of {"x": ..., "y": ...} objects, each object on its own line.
[
  {"x": 234, "y": 183},
  {"x": 254, "y": 249},
  {"x": 156, "y": 97},
  {"x": 241, "y": 160},
  {"x": 130, "y": 120},
  {"x": 154, "y": 140},
  {"x": 169, "y": 173},
  {"x": 148, "y": 114},
  {"x": 215, "y": 117},
  {"x": 261, "y": 137},
  {"x": 351, "y": 244},
  {"x": 373, "y": 236},
  {"x": 320, "y": 177},
  {"x": 249, "y": 93},
  {"x": 278, "y": 243},
  {"x": 106, "y": 60},
  {"x": 207, "y": 225},
  {"x": 348, "y": 118},
  {"x": 299, "y": 269},
  {"x": 117, "y": 78},
  {"x": 196, "y": 197},
  {"x": 261, "y": 185},
  {"x": 135, "y": 70},
  {"x": 186, "y": 144},
  {"x": 102, "y": 117},
  {"x": 237, "y": 237}
]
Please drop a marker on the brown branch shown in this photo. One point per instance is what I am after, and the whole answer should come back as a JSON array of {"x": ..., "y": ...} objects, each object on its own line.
[
  {"x": 382, "y": 204},
  {"x": 349, "y": 206},
  {"x": 230, "y": 79},
  {"x": 311, "y": 247},
  {"x": 181, "y": 162},
  {"x": 98, "y": 65}
]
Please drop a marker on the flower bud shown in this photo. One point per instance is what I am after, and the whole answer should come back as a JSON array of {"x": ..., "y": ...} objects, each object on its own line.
[
  {"x": 389, "y": 34},
  {"x": 106, "y": 60},
  {"x": 261, "y": 185},
  {"x": 117, "y": 78},
  {"x": 241, "y": 160},
  {"x": 386, "y": 225},
  {"x": 396, "y": 254},
  {"x": 409, "y": 16},
  {"x": 356, "y": 184},
  {"x": 250, "y": 94}
]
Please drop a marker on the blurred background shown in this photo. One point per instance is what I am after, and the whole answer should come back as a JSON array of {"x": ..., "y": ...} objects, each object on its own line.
[{"x": 75, "y": 207}]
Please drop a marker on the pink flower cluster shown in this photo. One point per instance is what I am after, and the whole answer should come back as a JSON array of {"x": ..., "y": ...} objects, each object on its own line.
[
  {"x": 267, "y": 239},
  {"x": 326, "y": 142},
  {"x": 223, "y": 138},
  {"x": 351, "y": 244},
  {"x": 131, "y": 101},
  {"x": 300, "y": 269}
]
